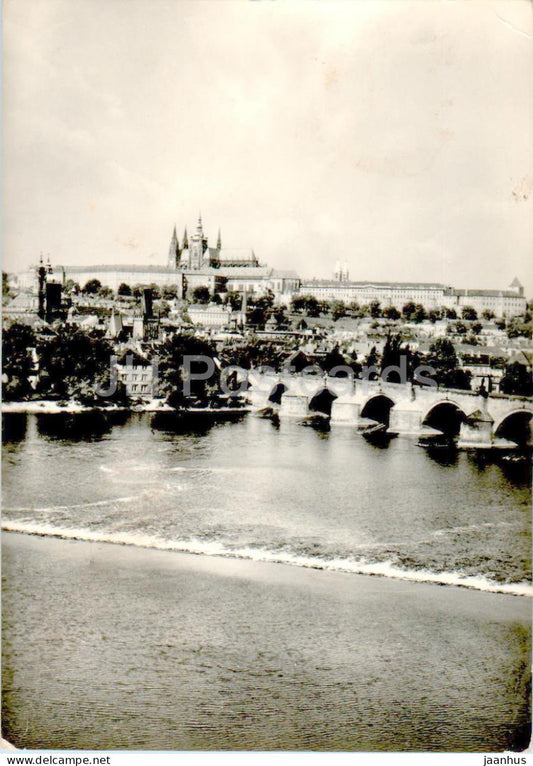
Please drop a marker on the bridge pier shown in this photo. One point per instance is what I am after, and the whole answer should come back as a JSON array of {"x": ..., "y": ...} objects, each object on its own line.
[
  {"x": 294, "y": 406},
  {"x": 346, "y": 412},
  {"x": 476, "y": 430},
  {"x": 406, "y": 420}
]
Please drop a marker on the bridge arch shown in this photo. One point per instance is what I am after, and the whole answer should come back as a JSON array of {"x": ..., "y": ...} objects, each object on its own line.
[
  {"x": 516, "y": 426},
  {"x": 377, "y": 407},
  {"x": 277, "y": 392},
  {"x": 322, "y": 400},
  {"x": 446, "y": 416}
]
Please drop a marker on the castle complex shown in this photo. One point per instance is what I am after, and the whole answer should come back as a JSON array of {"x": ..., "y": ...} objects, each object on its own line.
[{"x": 193, "y": 263}]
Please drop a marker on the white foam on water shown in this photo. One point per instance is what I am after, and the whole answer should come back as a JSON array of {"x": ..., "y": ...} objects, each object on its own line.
[
  {"x": 77, "y": 506},
  {"x": 214, "y": 548}
]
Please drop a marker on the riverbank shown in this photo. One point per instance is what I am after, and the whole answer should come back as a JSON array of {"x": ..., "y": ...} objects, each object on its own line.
[
  {"x": 168, "y": 650},
  {"x": 47, "y": 407}
]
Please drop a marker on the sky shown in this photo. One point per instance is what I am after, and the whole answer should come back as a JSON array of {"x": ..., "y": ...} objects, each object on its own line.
[{"x": 396, "y": 136}]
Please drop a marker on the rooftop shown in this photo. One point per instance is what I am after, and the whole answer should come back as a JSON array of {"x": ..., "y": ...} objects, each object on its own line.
[
  {"x": 485, "y": 293},
  {"x": 393, "y": 285}
]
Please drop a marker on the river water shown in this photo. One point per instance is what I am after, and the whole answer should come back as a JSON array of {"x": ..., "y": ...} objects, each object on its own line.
[
  {"x": 273, "y": 493},
  {"x": 133, "y": 646}
]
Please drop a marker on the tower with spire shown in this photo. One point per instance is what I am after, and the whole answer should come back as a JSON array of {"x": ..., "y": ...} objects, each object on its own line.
[
  {"x": 174, "y": 251},
  {"x": 41, "y": 279},
  {"x": 517, "y": 287},
  {"x": 198, "y": 250}
]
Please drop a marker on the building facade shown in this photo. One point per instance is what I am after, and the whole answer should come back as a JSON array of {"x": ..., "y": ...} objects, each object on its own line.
[
  {"x": 214, "y": 315},
  {"x": 503, "y": 303}
]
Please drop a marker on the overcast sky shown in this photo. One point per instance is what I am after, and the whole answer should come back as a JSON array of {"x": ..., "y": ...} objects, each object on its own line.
[{"x": 396, "y": 136}]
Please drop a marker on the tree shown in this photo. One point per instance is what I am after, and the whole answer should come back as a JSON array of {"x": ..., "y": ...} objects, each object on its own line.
[
  {"x": 17, "y": 362},
  {"x": 156, "y": 291},
  {"x": 308, "y": 304},
  {"x": 372, "y": 360},
  {"x": 408, "y": 311},
  {"x": 173, "y": 371},
  {"x": 333, "y": 358},
  {"x": 354, "y": 308},
  {"x": 253, "y": 353},
  {"x": 280, "y": 316},
  {"x": 201, "y": 294},
  {"x": 516, "y": 380},
  {"x": 338, "y": 309},
  {"x": 477, "y": 327},
  {"x": 298, "y": 303},
  {"x": 450, "y": 313},
  {"x": 260, "y": 310},
  {"x": 312, "y": 306},
  {"x": 169, "y": 292},
  {"x": 5, "y": 283},
  {"x": 92, "y": 287},
  {"x": 71, "y": 286},
  {"x": 163, "y": 309},
  {"x": 517, "y": 328},
  {"x": 390, "y": 312},
  {"x": 469, "y": 313},
  {"x": 461, "y": 328},
  {"x": 419, "y": 313},
  {"x": 434, "y": 315},
  {"x": 124, "y": 289},
  {"x": 234, "y": 299},
  {"x": 488, "y": 314},
  {"x": 105, "y": 292},
  {"x": 391, "y": 356},
  {"x": 443, "y": 359},
  {"x": 73, "y": 364},
  {"x": 375, "y": 309}
]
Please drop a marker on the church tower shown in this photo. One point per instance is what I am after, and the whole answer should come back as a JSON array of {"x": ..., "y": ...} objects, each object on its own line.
[
  {"x": 197, "y": 246},
  {"x": 41, "y": 287},
  {"x": 174, "y": 251}
]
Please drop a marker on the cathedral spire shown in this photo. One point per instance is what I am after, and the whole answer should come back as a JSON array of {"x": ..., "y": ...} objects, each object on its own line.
[
  {"x": 174, "y": 250},
  {"x": 185, "y": 239},
  {"x": 219, "y": 241}
]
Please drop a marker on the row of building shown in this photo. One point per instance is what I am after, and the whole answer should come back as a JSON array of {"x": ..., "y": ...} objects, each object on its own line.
[
  {"x": 193, "y": 263},
  {"x": 510, "y": 302}
]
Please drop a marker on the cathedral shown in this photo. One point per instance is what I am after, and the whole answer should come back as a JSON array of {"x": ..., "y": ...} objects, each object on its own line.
[{"x": 194, "y": 253}]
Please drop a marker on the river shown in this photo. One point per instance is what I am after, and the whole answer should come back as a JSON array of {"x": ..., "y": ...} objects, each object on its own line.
[
  {"x": 128, "y": 642},
  {"x": 274, "y": 493}
]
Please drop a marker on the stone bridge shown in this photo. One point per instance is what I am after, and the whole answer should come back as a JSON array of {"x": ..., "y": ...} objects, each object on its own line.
[{"x": 477, "y": 420}]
